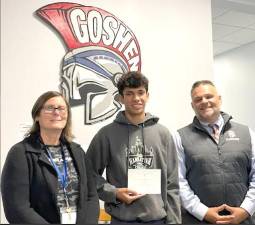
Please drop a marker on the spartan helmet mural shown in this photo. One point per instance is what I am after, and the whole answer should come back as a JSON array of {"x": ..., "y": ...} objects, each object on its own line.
[
  {"x": 89, "y": 79},
  {"x": 100, "y": 48}
]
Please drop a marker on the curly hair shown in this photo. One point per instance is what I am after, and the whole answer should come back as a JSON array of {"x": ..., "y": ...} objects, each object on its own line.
[{"x": 132, "y": 79}]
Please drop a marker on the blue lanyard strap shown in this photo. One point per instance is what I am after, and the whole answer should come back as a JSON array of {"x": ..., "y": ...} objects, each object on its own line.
[{"x": 62, "y": 175}]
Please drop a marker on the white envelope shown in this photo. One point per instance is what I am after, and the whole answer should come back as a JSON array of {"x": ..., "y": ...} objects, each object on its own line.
[{"x": 145, "y": 181}]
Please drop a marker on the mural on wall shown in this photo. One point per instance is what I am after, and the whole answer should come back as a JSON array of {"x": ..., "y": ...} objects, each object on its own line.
[{"x": 100, "y": 48}]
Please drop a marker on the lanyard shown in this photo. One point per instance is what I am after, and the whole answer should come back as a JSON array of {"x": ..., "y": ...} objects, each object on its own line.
[{"x": 61, "y": 174}]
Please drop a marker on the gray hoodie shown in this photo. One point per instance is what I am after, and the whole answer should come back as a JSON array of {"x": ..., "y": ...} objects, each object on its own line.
[{"x": 149, "y": 145}]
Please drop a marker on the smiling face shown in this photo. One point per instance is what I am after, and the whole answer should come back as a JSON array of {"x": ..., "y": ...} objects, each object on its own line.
[
  {"x": 206, "y": 103},
  {"x": 53, "y": 116},
  {"x": 135, "y": 100}
]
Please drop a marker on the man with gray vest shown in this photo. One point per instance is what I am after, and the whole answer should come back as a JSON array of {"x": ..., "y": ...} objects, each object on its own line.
[{"x": 216, "y": 163}]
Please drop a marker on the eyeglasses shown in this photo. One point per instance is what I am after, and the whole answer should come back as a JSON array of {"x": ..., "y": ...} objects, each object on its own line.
[{"x": 51, "y": 109}]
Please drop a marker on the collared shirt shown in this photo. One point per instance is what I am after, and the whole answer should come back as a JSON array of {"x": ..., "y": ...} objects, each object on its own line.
[
  {"x": 219, "y": 122},
  {"x": 190, "y": 201}
]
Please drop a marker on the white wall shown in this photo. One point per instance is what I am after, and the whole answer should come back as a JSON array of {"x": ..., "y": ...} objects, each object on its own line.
[
  {"x": 176, "y": 47},
  {"x": 234, "y": 74}
]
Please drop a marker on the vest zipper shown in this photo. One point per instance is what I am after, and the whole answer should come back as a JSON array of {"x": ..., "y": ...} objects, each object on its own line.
[{"x": 222, "y": 172}]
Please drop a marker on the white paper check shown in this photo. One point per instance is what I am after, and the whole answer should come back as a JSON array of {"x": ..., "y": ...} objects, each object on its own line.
[{"x": 145, "y": 181}]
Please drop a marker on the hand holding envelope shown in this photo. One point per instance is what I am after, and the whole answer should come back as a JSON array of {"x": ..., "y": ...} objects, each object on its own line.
[
  {"x": 140, "y": 183},
  {"x": 127, "y": 195}
]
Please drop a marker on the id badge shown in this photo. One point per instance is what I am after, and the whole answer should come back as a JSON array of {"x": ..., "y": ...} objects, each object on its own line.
[{"x": 68, "y": 217}]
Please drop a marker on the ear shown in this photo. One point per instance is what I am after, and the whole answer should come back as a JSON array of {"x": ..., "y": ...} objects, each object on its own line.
[
  {"x": 121, "y": 99},
  {"x": 220, "y": 99},
  {"x": 192, "y": 105}
]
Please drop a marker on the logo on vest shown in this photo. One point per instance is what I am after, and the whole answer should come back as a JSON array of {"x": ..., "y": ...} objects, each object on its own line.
[
  {"x": 231, "y": 136},
  {"x": 100, "y": 48}
]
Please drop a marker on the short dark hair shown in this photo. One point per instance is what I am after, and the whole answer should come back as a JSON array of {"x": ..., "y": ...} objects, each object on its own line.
[
  {"x": 37, "y": 108},
  {"x": 201, "y": 82},
  {"x": 132, "y": 79}
]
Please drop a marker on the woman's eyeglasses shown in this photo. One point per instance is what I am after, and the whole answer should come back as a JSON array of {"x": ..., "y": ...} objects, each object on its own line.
[{"x": 52, "y": 109}]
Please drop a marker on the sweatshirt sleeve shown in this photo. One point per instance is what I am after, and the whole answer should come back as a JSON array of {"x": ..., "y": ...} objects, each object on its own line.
[
  {"x": 173, "y": 207},
  {"x": 98, "y": 154},
  {"x": 15, "y": 189}
]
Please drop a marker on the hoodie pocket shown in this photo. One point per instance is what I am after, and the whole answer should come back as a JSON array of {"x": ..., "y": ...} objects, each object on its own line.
[{"x": 147, "y": 208}]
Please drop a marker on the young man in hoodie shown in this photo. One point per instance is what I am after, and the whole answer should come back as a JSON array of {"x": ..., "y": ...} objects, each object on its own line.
[{"x": 135, "y": 140}]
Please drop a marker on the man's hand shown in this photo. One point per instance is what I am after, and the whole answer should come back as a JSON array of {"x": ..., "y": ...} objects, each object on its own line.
[
  {"x": 126, "y": 195},
  {"x": 239, "y": 215},
  {"x": 213, "y": 216}
]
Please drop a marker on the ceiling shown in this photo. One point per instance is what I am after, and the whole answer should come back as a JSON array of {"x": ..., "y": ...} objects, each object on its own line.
[{"x": 233, "y": 24}]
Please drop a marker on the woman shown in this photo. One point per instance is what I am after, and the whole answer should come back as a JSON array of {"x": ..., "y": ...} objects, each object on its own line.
[{"x": 44, "y": 179}]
